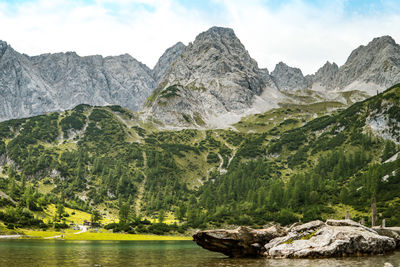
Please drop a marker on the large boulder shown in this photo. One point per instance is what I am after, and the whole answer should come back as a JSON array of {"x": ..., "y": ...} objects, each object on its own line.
[
  {"x": 332, "y": 239},
  {"x": 393, "y": 232},
  {"x": 316, "y": 239},
  {"x": 241, "y": 242}
]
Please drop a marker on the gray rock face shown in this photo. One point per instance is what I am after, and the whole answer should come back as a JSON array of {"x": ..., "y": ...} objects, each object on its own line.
[
  {"x": 392, "y": 232},
  {"x": 287, "y": 78},
  {"x": 214, "y": 75},
  {"x": 316, "y": 239},
  {"x": 370, "y": 68},
  {"x": 334, "y": 241},
  {"x": 166, "y": 60},
  {"x": 241, "y": 242},
  {"x": 95, "y": 80},
  {"x": 214, "y": 79},
  {"x": 23, "y": 92},
  {"x": 326, "y": 76},
  {"x": 377, "y": 63},
  {"x": 52, "y": 82}
]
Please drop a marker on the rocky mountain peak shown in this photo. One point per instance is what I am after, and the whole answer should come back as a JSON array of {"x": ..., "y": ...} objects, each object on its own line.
[
  {"x": 217, "y": 33},
  {"x": 326, "y": 75},
  {"x": 221, "y": 50},
  {"x": 166, "y": 60},
  {"x": 214, "y": 75},
  {"x": 379, "y": 41},
  {"x": 288, "y": 78},
  {"x": 376, "y": 65},
  {"x": 376, "y": 46},
  {"x": 3, "y": 48},
  {"x": 3, "y": 44}
]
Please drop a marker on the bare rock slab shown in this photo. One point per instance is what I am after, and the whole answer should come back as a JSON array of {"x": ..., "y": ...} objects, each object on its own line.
[
  {"x": 316, "y": 239},
  {"x": 334, "y": 239},
  {"x": 241, "y": 242}
]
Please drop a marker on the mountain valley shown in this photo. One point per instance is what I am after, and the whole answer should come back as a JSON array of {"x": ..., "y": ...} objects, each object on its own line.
[{"x": 205, "y": 139}]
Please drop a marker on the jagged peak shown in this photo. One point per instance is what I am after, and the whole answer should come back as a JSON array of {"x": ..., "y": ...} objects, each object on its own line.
[
  {"x": 3, "y": 47},
  {"x": 329, "y": 66},
  {"x": 177, "y": 45},
  {"x": 373, "y": 47},
  {"x": 220, "y": 30},
  {"x": 217, "y": 33},
  {"x": 166, "y": 59},
  {"x": 386, "y": 39},
  {"x": 283, "y": 66}
]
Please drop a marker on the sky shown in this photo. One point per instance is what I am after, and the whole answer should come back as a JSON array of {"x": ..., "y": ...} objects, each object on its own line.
[{"x": 301, "y": 33}]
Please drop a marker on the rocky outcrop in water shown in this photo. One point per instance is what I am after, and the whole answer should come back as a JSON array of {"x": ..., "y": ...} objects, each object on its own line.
[
  {"x": 393, "y": 232},
  {"x": 241, "y": 242},
  {"x": 332, "y": 239},
  {"x": 316, "y": 239}
]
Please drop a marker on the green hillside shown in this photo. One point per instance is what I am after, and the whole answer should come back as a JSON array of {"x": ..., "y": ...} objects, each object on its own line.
[{"x": 288, "y": 164}]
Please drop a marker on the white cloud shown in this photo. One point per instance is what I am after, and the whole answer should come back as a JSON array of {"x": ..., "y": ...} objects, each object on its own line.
[{"x": 299, "y": 34}]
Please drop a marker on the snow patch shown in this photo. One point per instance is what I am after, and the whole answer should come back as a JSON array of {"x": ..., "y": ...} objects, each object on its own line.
[{"x": 393, "y": 158}]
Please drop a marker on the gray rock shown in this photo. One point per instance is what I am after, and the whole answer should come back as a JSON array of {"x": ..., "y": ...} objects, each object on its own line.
[
  {"x": 218, "y": 81},
  {"x": 310, "y": 226},
  {"x": 94, "y": 80},
  {"x": 241, "y": 242},
  {"x": 295, "y": 232},
  {"x": 326, "y": 75},
  {"x": 52, "y": 82},
  {"x": 169, "y": 56},
  {"x": 288, "y": 79},
  {"x": 369, "y": 68},
  {"x": 392, "y": 232},
  {"x": 334, "y": 241},
  {"x": 335, "y": 238},
  {"x": 377, "y": 63},
  {"x": 214, "y": 75}
]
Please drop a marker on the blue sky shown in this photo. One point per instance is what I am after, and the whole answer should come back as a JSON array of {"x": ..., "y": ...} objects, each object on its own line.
[{"x": 302, "y": 33}]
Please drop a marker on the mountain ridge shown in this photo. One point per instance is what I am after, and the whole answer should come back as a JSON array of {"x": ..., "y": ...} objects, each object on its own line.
[{"x": 60, "y": 81}]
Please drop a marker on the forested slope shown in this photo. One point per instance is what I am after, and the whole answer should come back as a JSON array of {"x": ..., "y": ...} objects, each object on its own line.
[{"x": 284, "y": 165}]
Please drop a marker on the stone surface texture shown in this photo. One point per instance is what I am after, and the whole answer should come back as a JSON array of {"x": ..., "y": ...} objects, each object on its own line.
[
  {"x": 215, "y": 75},
  {"x": 316, "y": 239},
  {"x": 216, "y": 81},
  {"x": 53, "y": 82}
]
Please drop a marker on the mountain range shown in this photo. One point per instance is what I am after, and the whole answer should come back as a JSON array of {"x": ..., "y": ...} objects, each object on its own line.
[{"x": 212, "y": 82}]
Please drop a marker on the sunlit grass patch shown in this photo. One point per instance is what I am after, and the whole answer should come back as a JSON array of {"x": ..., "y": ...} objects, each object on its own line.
[
  {"x": 44, "y": 234},
  {"x": 119, "y": 236}
]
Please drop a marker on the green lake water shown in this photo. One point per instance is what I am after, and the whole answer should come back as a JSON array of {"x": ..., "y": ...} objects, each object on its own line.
[{"x": 19, "y": 253}]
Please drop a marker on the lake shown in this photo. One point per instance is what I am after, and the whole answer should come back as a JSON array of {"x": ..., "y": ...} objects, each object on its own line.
[{"x": 18, "y": 253}]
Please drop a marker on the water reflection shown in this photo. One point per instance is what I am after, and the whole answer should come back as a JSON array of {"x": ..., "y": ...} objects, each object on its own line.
[{"x": 148, "y": 253}]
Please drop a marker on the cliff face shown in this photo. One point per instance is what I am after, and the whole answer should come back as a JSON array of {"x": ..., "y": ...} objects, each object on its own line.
[
  {"x": 213, "y": 76},
  {"x": 211, "y": 82},
  {"x": 288, "y": 79},
  {"x": 51, "y": 82},
  {"x": 166, "y": 60},
  {"x": 375, "y": 66}
]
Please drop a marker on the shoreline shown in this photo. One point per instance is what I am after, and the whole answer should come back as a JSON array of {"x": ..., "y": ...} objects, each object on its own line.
[{"x": 88, "y": 236}]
